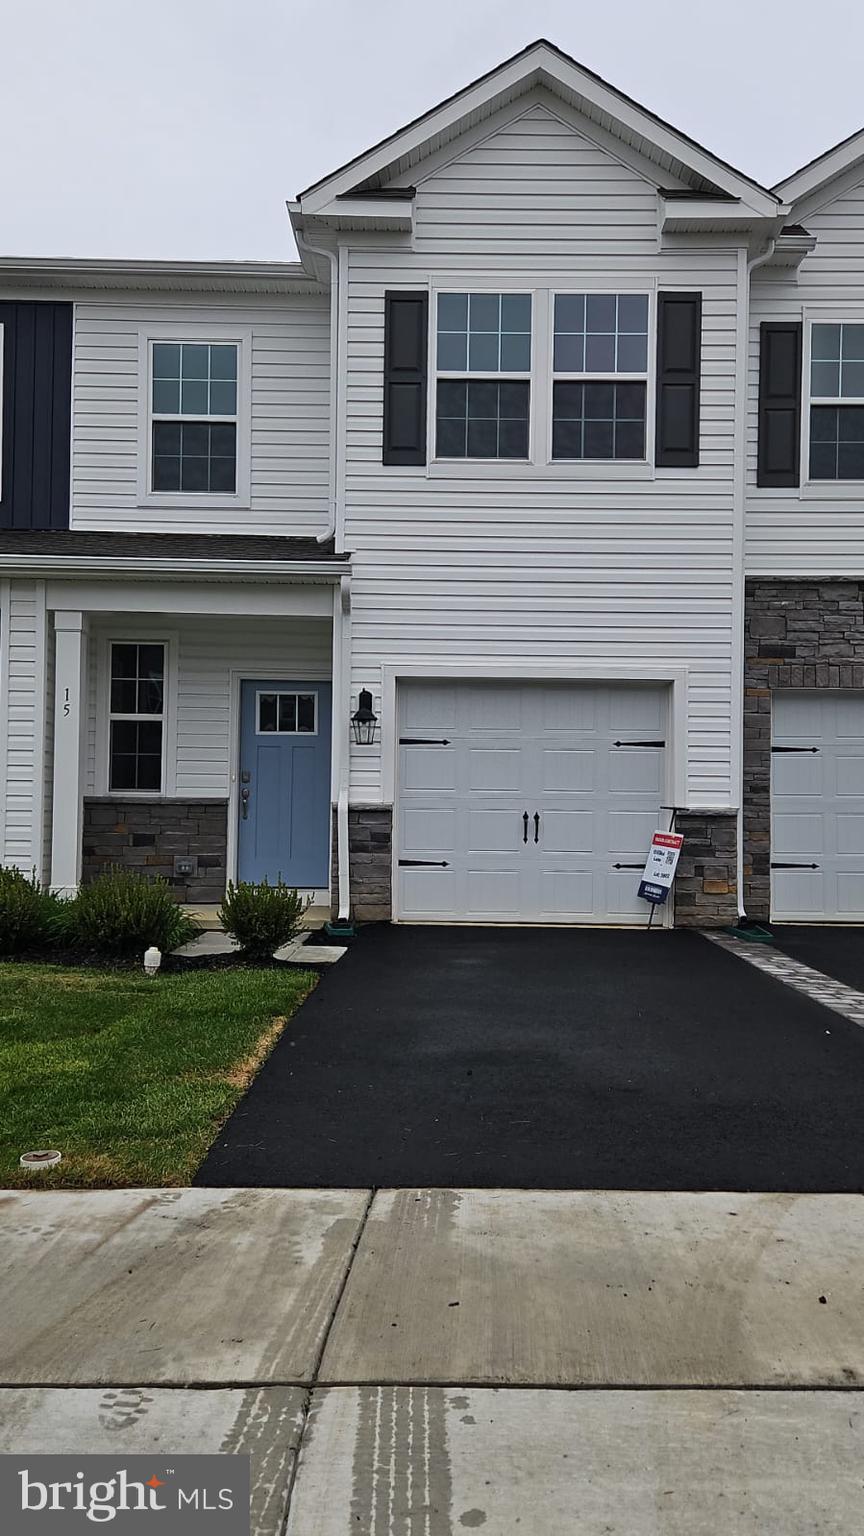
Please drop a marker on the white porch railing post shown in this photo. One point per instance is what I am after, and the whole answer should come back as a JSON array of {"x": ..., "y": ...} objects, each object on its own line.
[{"x": 70, "y": 700}]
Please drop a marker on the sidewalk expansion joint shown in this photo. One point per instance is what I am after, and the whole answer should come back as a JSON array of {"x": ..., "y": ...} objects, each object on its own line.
[{"x": 310, "y": 1386}]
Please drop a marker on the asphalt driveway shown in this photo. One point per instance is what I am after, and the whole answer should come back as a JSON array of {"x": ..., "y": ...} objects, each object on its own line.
[
  {"x": 551, "y": 1058},
  {"x": 836, "y": 949}
]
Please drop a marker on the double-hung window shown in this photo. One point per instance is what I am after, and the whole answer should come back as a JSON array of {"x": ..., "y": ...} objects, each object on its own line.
[
  {"x": 193, "y": 397},
  {"x": 136, "y": 717},
  {"x": 483, "y": 354},
  {"x": 600, "y": 375},
  {"x": 837, "y": 402}
]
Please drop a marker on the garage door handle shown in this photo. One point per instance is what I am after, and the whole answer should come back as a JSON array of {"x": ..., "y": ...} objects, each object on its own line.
[
  {"x": 524, "y": 826},
  {"x": 794, "y": 866},
  {"x": 536, "y": 826}
]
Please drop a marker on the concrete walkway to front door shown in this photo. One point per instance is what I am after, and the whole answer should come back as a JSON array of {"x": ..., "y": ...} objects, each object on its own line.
[
  {"x": 551, "y": 1058},
  {"x": 431, "y": 1361}
]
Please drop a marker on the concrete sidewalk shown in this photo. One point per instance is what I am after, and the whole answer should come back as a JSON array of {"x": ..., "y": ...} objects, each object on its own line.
[{"x": 435, "y": 1361}]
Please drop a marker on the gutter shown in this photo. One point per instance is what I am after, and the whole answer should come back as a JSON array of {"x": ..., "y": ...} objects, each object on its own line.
[{"x": 214, "y": 570}]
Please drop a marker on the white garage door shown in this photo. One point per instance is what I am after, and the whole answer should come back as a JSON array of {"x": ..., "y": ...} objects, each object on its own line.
[
  {"x": 527, "y": 802},
  {"x": 817, "y": 807}
]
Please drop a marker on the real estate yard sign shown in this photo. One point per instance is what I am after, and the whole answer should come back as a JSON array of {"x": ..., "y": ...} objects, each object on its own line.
[{"x": 660, "y": 866}]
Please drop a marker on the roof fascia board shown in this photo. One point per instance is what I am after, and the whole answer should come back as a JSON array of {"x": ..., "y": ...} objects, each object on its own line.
[
  {"x": 828, "y": 192},
  {"x": 817, "y": 173},
  {"x": 555, "y": 69},
  {"x": 106, "y": 567},
  {"x": 360, "y": 212},
  {"x": 685, "y": 215},
  {"x": 171, "y": 276}
]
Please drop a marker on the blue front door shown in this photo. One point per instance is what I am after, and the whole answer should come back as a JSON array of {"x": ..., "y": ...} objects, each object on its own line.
[{"x": 284, "y": 802}]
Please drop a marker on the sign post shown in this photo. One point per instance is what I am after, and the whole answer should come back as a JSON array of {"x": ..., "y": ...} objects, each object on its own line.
[{"x": 660, "y": 867}]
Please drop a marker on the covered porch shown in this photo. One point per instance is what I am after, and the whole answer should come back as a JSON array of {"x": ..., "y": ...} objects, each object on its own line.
[{"x": 191, "y": 709}]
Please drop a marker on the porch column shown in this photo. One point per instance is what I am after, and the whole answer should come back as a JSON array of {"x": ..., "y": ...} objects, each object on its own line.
[{"x": 70, "y": 699}]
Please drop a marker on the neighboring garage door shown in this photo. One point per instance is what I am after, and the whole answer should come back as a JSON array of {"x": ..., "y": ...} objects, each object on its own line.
[
  {"x": 817, "y": 807},
  {"x": 527, "y": 802}
]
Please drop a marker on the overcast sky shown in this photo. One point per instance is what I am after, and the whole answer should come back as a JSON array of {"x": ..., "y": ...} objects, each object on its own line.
[{"x": 177, "y": 128}]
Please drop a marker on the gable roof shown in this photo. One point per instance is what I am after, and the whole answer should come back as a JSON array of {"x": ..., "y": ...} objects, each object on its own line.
[
  {"x": 542, "y": 63},
  {"x": 819, "y": 171}
]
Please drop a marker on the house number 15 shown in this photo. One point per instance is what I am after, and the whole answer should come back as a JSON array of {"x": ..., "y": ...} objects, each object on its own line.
[{"x": 67, "y": 706}]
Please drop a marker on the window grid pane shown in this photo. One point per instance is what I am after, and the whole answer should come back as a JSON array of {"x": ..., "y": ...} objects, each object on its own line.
[
  {"x": 837, "y": 442},
  {"x": 484, "y": 332},
  {"x": 287, "y": 714},
  {"x": 598, "y": 421},
  {"x": 482, "y": 418},
  {"x": 837, "y": 362},
  {"x": 194, "y": 378},
  {"x": 135, "y": 743},
  {"x": 600, "y": 333},
  {"x": 194, "y": 456}
]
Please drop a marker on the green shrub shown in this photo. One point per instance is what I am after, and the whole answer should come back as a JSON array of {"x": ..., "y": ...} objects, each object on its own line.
[
  {"x": 30, "y": 917},
  {"x": 261, "y": 917},
  {"x": 123, "y": 913}
]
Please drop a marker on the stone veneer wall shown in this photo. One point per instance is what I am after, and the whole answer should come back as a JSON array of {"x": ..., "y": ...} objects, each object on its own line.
[
  {"x": 147, "y": 835},
  {"x": 797, "y": 634},
  {"x": 370, "y": 836},
  {"x": 705, "y": 890}
]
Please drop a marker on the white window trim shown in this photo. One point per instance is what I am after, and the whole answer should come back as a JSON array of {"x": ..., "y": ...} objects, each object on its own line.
[
  {"x": 483, "y": 376},
  {"x": 648, "y": 378},
  {"x": 200, "y": 332},
  {"x": 851, "y": 313},
  {"x": 103, "y": 715},
  {"x": 540, "y": 462},
  {"x": 297, "y": 692}
]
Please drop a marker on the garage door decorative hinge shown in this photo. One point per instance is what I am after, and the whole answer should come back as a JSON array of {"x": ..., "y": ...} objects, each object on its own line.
[
  {"x": 422, "y": 741},
  {"x": 629, "y": 866},
  {"x": 794, "y": 749},
  {"x": 793, "y": 866},
  {"x": 423, "y": 863},
  {"x": 639, "y": 744}
]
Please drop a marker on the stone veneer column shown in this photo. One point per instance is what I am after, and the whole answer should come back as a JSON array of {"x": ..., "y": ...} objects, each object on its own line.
[
  {"x": 370, "y": 837},
  {"x": 797, "y": 634},
  {"x": 705, "y": 891}
]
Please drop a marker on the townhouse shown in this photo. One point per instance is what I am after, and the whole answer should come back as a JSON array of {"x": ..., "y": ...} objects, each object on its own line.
[{"x": 433, "y": 572}]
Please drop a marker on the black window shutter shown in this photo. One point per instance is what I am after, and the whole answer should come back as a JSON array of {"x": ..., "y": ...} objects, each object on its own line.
[
  {"x": 679, "y": 368},
  {"x": 779, "y": 456},
  {"x": 406, "y": 317}
]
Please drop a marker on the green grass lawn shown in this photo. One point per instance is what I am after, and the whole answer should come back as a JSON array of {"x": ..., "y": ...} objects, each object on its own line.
[{"x": 129, "y": 1077}]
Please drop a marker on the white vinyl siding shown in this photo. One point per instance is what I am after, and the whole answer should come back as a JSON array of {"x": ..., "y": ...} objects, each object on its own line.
[
  {"x": 289, "y": 432},
  {"x": 22, "y": 734},
  {"x": 612, "y": 563},
  {"x": 817, "y": 529},
  {"x": 207, "y": 650}
]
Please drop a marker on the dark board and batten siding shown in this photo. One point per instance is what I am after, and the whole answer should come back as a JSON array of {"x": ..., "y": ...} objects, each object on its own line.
[{"x": 37, "y": 405}]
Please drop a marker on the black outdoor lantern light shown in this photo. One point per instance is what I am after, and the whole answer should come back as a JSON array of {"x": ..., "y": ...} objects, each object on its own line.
[{"x": 364, "y": 720}]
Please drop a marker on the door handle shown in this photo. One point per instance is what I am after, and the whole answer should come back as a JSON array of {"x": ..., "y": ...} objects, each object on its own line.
[
  {"x": 536, "y": 826},
  {"x": 524, "y": 826},
  {"x": 244, "y": 802}
]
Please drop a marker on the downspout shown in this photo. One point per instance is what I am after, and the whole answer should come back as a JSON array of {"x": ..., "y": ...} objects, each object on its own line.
[
  {"x": 756, "y": 261},
  {"x": 342, "y": 653},
  {"x": 332, "y": 257}
]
